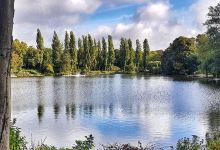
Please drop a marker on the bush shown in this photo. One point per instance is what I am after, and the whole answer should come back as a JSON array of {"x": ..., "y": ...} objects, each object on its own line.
[
  {"x": 154, "y": 67},
  {"x": 49, "y": 69},
  {"x": 130, "y": 68},
  {"x": 114, "y": 68},
  {"x": 16, "y": 140},
  {"x": 88, "y": 144},
  {"x": 213, "y": 141},
  {"x": 188, "y": 144}
]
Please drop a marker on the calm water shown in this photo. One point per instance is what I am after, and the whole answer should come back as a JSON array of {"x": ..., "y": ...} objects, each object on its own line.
[{"x": 114, "y": 108}]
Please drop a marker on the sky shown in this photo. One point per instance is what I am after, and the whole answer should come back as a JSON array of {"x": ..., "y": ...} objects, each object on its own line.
[{"x": 160, "y": 21}]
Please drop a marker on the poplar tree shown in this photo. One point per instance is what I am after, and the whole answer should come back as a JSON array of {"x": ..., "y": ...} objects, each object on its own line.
[
  {"x": 138, "y": 54},
  {"x": 111, "y": 52},
  {"x": 81, "y": 55},
  {"x": 86, "y": 52},
  {"x": 67, "y": 42},
  {"x": 73, "y": 52},
  {"x": 66, "y": 60},
  {"x": 145, "y": 54},
  {"x": 99, "y": 56},
  {"x": 105, "y": 54},
  {"x": 131, "y": 56},
  {"x": 94, "y": 55},
  {"x": 91, "y": 51},
  {"x": 40, "y": 40},
  {"x": 122, "y": 53},
  {"x": 40, "y": 46},
  {"x": 127, "y": 54},
  {"x": 56, "y": 53},
  {"x": 66, "y": 65}
]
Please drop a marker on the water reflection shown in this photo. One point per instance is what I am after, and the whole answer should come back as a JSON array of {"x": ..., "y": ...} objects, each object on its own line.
[
  {"x": 214, "y": 117},
  {"x": 115, "y": 108},
  {"x": 40, "y": 112},
  {"x": 40, "y": 105},
  {"x": 56, "y": 108},
  {"x": 211, "y": 82}
]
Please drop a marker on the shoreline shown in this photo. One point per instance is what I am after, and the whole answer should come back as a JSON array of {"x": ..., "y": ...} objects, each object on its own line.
[{"x": 97, "y": 73}]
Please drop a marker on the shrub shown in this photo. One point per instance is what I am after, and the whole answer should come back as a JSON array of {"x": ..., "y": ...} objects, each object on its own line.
[
  {"x": 16, "y": 140},
  {"x": 190, "y": 144},
  {"x": 88, "y": 144},
  {"x": 49, "y": 69}
]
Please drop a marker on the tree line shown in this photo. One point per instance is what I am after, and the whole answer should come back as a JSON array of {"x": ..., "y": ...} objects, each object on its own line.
[
  {"x": 83, "y": 55},
  {"x": 184, "y": 56}
]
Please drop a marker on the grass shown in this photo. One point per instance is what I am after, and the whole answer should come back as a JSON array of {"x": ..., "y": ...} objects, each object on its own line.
[
  {"x": 28, "y": 73},
  {"x": 93, "y": 73}
]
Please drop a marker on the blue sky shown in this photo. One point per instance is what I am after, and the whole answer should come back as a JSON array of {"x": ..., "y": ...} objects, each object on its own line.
[
  {"x": 106, "y": 15},
  {"x": 157, "y": 20}
]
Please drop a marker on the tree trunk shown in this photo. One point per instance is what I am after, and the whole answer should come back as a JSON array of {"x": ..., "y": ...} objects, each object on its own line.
[{"x": 6, "y": 27}]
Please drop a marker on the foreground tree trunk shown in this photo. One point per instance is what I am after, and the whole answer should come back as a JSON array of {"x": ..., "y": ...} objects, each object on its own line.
[{"x": 6, "y": 27}]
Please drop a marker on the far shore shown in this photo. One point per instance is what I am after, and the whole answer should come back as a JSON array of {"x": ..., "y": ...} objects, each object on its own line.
[{"x": 96, "y": 73}]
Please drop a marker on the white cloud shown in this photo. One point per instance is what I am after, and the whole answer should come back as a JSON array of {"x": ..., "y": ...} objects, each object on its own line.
[
  {"x": 113, "y": 3},
  {"x": 49, "y": 15},
  {"x": 154, "y": 12},
  {"x": 44, "y": 12},
  {"x": 161, "y": 25},
  {"x": 200, "y": 10},
  {"x": 155, "y": 20}
]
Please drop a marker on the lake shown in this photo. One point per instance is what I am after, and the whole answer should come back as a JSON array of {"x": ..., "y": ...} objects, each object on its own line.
[{"x": 114, "y": 108}]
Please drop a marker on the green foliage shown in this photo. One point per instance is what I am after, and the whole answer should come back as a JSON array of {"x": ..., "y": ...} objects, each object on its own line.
[
  {"x": 49, "y": 69},
  {"x": 104, "y": 55},
  {"x": 190, "y": 144},
  {"x": 66, "y": 63},
  {"x": 19, "y": 50},
  {"x": 56, "y": 53},
  {"x": 28, "y": 73},
  {"x": 138, "y": 55},
  {"x": 213, "y": 141},
  {"x": 47, "y": 60},
  {"x": 16, "y": 140},
  {"x": 40, "y": 40},
  {"x": 154, "y": 67},
  {"x": 73, "y": 53},
  {"x": 86, "y": 53},
  {"x": 87, "y": 144},
  {"x": 16, "y": 63},
  {"x": 81, "y": 56},
  {"x": 180, "y": 57},
  {"x": 125, "y": 53},
  {"x": 130, "y": 68},
  {"x": 155, "y": 55},
  {"x": 111, "y": 52},
  {"x": 213, "y": 33},
  {"x": 67, "y": 42},
  {"x": 90, "y": 55},
  {"x": 32, "y": 58},
  {"x": 146, "y": 53},
  {"x": 99, "y": 56}
]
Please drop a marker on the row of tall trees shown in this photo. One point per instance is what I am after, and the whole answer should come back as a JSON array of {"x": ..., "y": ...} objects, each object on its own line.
[{"x": 85, "y": 54}]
